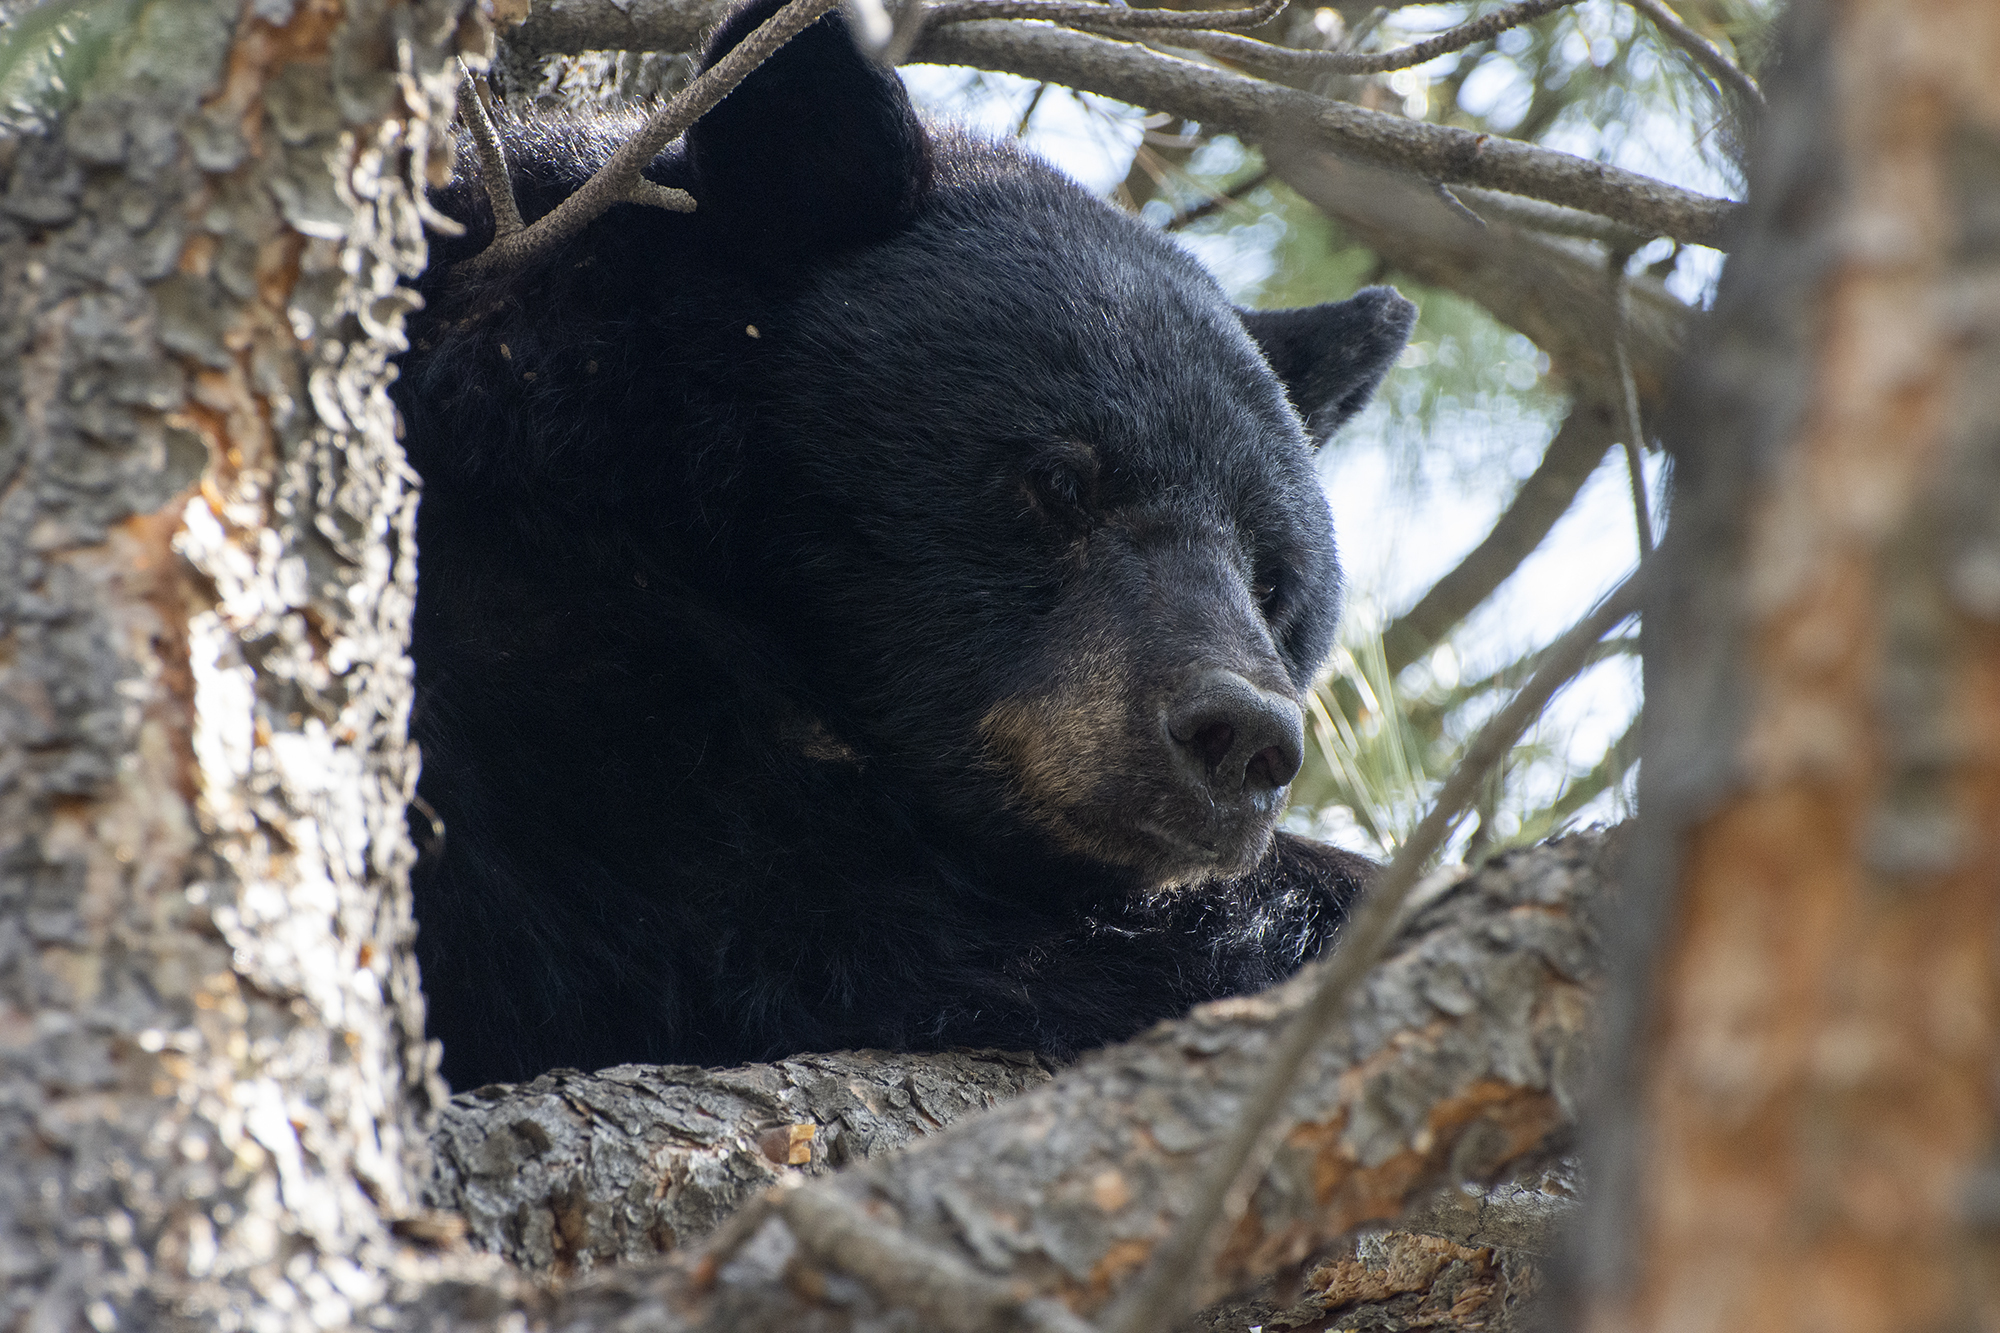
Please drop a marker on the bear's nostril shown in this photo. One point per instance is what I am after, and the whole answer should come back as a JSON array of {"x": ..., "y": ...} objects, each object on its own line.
[
  {"x": 1236, "y": 740},
  {"x": 1212, "y": 742},
  {"x": 1270, "y": 768}
]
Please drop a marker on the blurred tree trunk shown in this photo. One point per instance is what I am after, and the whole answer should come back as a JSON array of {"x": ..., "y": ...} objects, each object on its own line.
[
  {"x": 1802, "y": 1133},
  {"x": 213, "y": 1081}
]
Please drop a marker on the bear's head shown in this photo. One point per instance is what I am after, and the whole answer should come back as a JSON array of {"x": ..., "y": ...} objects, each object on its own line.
[{"x": 1037, "y": 502}]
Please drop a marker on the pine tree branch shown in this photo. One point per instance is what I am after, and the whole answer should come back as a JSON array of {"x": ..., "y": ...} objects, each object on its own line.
[
  {"x": 1220, "y": 100},
  {"x": 1462, "y": 1057},
  {"x": 1549, "y": 290},
  {"x": 1568, "y": 462},
  {"x": 1264, "y": 111},
  {"x": 1293, "y": 60}
]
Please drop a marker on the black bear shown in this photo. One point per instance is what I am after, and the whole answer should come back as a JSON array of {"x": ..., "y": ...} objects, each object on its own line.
[{"x": 871, "y": 610}]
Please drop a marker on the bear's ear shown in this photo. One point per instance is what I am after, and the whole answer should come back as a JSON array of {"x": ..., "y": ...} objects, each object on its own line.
[
  {"x": 817, "y": 149},
  {"x": 1332, "y": 357}
]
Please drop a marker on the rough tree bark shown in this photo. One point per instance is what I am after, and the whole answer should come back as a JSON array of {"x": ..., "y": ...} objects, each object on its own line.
[
  {"x": 1805, "y": 1136},
  {"x": 1461, "y": 1061},
  {"x": 573, "y": 1172},
  {"x": 215, "y": 1084},
  {"x": 212, "y": 1083}
]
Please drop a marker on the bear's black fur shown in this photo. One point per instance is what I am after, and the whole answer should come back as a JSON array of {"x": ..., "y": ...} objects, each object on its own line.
[{"x": 871, "y": 610}]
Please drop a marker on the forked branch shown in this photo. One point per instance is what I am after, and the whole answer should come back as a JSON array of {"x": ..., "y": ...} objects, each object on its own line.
[
  {"x": 1292, "y": 60},
  {"x": 619, "y": 180},
  {"x": 1095, "y": 16},
  {"x": 493, "y": 173}
]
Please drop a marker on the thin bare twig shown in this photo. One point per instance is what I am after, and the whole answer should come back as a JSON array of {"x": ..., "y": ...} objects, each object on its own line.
[
  {"x": 1292, "y": 60},
  {"x": 1034, "y": 101},
  {"x": 1533, "y": 214},
  {"x": 1706, "y": 53},
  {"x": 1455, "y": 204},
  {"x": 1215, "y": 203},
  {"x": 1359, "y": 32},
  {"x": 1103, "y": 16},
  {"x": 619, "y": 180},
  {"x": 493, "y": 174},
  {"x": 1632, "y": 426},
  {"x": 1160, "y": 1298}
]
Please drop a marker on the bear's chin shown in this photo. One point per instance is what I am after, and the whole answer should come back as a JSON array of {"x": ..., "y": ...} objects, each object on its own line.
[
  {"x": 1183, "y": 864},
  {"x": 1166, "y": 853}
]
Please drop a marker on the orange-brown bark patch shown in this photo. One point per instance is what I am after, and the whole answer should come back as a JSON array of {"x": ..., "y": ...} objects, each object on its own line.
[
  {"x": 1414, "y": 1262},
  {"x": 262, "y": 48},
  {"x": 1520, "y": 1118},
  {"x": 144, "y": 547},
  {"x": 1510, "y": 1119},
  {"x": 1121, "y": 1258}
]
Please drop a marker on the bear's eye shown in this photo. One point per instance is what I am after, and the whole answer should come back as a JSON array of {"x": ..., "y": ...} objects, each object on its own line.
[
  {"x": 1268, "y": 591},
  {"x": 1062, "y": 483}
]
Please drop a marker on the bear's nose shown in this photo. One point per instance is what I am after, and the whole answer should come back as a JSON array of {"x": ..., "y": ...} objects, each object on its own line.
[{"x": 1236, "y": 739}]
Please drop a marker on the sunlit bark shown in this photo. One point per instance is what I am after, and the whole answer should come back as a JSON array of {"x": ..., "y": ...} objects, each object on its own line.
[
  {"x": 213, "y": 1085},
  {"x": 1804, "y": 1137}
]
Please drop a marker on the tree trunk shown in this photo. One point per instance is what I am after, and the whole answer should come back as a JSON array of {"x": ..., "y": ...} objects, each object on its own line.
[
  {"x": 215, "y": 1082},
  {"x": 1803, "y": 1135}
]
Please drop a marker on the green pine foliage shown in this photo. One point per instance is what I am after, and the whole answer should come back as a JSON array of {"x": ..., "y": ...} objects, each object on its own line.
[{"x": 49, "y": 51}]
